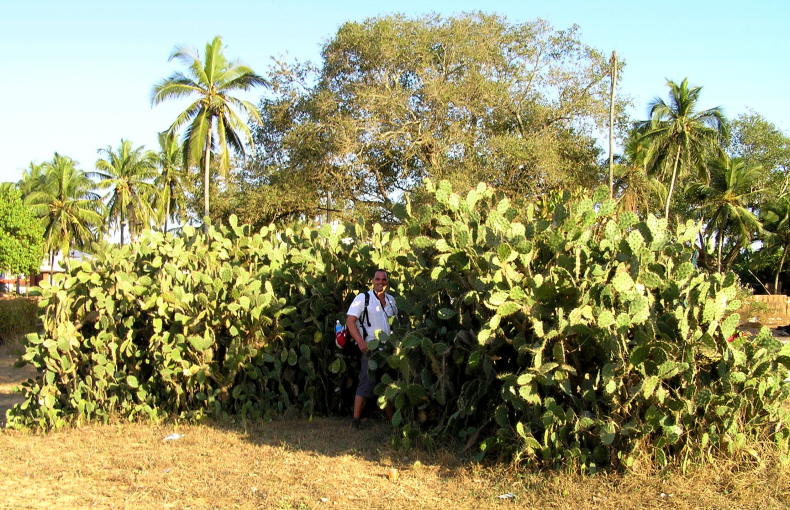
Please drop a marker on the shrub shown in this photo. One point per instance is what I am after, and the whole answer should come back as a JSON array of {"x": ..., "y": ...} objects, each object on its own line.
[
  {"x": 574, "y": 334},
  {"x": 18, "y": 316},
  {"x": 558, "y": 333}
]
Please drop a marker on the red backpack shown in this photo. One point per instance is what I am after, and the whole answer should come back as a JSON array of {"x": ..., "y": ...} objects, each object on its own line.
[{"x": 343, "y": 338}]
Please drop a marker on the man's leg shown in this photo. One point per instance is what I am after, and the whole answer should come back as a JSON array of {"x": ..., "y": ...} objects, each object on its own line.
[
  {"x": 364, "y": 390},
  {"x": 359, "y": 405}
]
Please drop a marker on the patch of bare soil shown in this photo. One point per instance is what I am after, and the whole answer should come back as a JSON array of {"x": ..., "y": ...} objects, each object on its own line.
[{"x": 11, "y": 377}]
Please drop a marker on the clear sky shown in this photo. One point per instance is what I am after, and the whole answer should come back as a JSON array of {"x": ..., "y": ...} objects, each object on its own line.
[{"x": 76, "y": 76}]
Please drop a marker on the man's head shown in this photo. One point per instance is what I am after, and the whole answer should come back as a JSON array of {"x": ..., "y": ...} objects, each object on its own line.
[{"x": 380, "y": 280}]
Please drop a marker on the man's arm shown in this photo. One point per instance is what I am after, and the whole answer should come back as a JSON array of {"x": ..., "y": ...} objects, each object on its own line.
[{"x": 351, "y": 325}]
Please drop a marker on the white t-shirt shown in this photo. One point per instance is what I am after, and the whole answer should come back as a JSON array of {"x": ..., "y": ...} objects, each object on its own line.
[{"x": 377, "y": 315}]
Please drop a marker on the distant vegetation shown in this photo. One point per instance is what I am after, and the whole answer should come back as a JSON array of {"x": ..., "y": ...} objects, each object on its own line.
[{"x": 394, "y": 100}]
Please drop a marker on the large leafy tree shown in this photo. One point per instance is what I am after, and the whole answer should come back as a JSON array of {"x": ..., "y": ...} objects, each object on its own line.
[
  {"x": 71, "y": 210},
  {"x": 170, "y": 203},
  {"x": 725, "y": 204},
  {"x": 682, "y": 136},
  {"x": 127, "y": 173},
  {"x": 775, "y": 216},
  {"x": 211, "y": 119},
  {"x": 758, "y": 141},
  {"x": 21, "y": 234},
  {"x": 395, "y": 100}
]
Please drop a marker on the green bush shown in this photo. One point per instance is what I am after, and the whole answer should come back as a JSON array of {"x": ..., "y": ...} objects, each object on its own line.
[
  {"x": 191, "y": 326},
  {"x": 559, "y": 333},
  {"x": 18, "y": 316},
  {"x": 572, "y": 334}
]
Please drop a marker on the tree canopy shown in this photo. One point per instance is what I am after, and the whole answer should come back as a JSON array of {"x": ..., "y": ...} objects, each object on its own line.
[
  {"x": 211, "y": 82},
  {"x": 126, "y": 174},
  {"x": 21, "y": 234},
  {"x": 395, "y": 100},
  {"x": 758, "y": 141}
]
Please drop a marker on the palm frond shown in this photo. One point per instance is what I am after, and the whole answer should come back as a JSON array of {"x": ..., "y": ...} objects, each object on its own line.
[
  {"x": 195, "y": 138},
  {"x": 250, "y": 109},
  {"x": 188, "y": 115},
  {"x": 175, "y": 87}
]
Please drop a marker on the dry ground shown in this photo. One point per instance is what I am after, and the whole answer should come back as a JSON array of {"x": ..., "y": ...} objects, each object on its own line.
[{"x": 301, "y": 464}]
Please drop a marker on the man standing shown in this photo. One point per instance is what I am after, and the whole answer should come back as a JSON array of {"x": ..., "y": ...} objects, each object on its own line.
[{"x": 373, "y": 319}]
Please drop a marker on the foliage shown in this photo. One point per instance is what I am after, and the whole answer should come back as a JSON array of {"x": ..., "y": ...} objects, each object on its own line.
[
  {"x": 212, "y": 80},
  {"x": 681, "y": 136},
  {"x": 21, "y": 235},
  {"x": 192, "y": 325},
  {"x": 63, "y": 196},
  {"x": 725, "y": 205},
  {"x": 127, "y": 173},
  {"x": 395, "y": 100},
  {"x": 776, "y": 219},
  {"x": 555, "y": 332},
  {"x": 760, "y": 142},
  {"x": 580, "y": 338},
  {"x": 170, "y": 203},
  {"x": 19, "y": 316}
]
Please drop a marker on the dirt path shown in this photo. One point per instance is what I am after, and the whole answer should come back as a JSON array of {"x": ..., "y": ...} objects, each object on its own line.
[{"x": 11, "y": 377}]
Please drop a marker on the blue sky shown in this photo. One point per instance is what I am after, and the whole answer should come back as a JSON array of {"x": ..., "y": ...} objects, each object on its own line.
[{"x": 77, "y": 75}]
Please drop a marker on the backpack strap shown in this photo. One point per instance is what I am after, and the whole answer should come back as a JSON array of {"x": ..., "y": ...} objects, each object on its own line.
[{"x": 364, "y": 316}]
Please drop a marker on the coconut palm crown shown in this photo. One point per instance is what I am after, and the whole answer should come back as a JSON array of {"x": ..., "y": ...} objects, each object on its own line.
[
  {"x": 211, "y": 118},
  {"x": 126, "y": 173},
  {"x": 64, "y": 198},
  {"x": 682, "y": 136}
]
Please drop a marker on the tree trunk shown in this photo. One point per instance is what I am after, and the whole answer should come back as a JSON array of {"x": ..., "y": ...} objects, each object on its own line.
[
  {"x": 123, "y": 225},
  {"x": 672, "y": 183},
  {"x": 51, "y": 266},
  {"x": 167, "y": 206},
  {"x": 611, "y": 123},
  {"x": 779, "y": 271},
  {"x": 720, "y": 242},
  {"x": 206, "y": 166}
]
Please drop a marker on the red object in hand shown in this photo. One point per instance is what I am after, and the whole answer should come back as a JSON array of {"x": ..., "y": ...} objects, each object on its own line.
[{"x": 343, "y": 338}]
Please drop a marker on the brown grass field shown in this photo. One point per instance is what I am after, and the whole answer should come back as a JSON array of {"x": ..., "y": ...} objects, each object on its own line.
[{"x": 321, "y": 463}]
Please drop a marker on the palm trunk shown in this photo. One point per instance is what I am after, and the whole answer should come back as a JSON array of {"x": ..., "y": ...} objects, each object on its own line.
[
  {"x": 206, "y": 166},
  {"x": 123, "y": 225},
  {"x": 672, "y": 184},
  {"x": 167, "y": 206},
  {"x": 611, "y": 125},
  {"x": 51, "y": 266},
  {"x": 720, "y": 237},
  {"x": 779, "y": 271}
]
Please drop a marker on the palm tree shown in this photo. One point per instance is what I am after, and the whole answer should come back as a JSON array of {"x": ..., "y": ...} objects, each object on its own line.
[
  {"x": 170, "y": 198},
  {"x": 32, "y": 179},
  {"x": 776, "y": 220},
  {"x": 127, "y": 174},
  {"x": 724, "y": 204},
  {"x": 67, "y": 203},
  {"x": 211, "y": 81},
  {"x": 681, "y": 136},
  {"x": 635, "y": 188}
]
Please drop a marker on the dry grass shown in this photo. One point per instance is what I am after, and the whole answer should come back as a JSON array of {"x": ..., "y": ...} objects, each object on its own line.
[
  {"x": 322, "y": 464},
  {"x": 300, "y": 464}
]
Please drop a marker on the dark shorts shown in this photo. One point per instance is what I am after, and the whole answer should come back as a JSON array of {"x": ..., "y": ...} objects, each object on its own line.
[{"x": 365, "y": 386}]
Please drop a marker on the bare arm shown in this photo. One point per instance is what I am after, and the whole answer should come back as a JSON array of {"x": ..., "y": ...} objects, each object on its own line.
[{"x": 351, "y": 325}]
